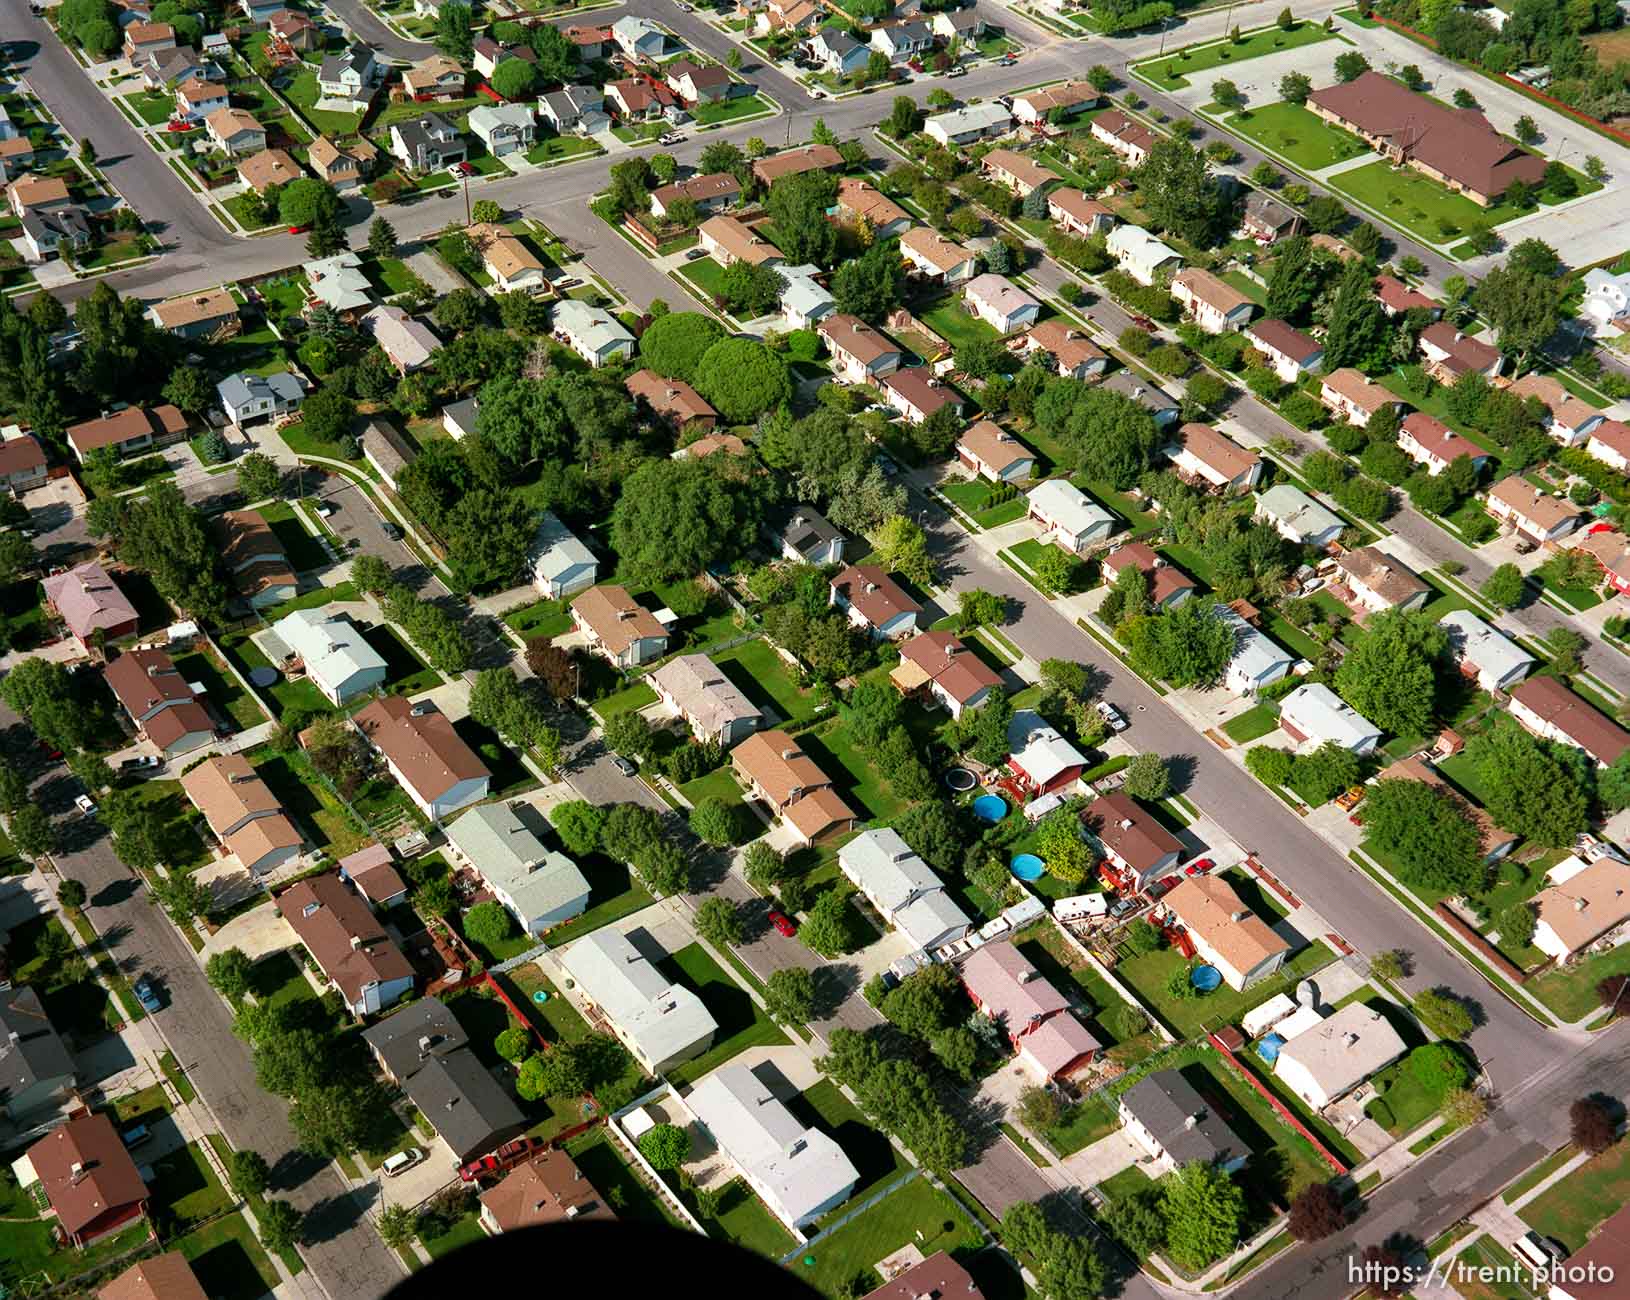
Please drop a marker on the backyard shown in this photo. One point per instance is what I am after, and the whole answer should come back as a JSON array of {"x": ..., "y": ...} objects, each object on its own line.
[
  {"x": 918, "y": 1213},
  {"x": 742, "y": 1024},
  {"x": 222, "y": 690},
  {"x": 1296, "y": 134},
  {"x": 304, "y": 552},
  {"x": 948, "y": 318},
  {"x": 1150, "y": 974},
  {"x": 765, "y": 678},
  {"x": 405, "y": 672}
]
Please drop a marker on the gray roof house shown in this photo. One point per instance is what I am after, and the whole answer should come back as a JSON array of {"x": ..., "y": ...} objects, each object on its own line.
[
  {"x": 903, "y": 888},
  {"x": 1154, "y": 400},
  {"x": 1258, "y": 659},
  {"x": 1330, "y": 1059},
  {"x": 561, "y": 565},
  {"x": 1297, "y": 516},
  {"x": 349, "y": 75},
  {"x": 425, "y": 143},
  {"x": 458, "y": 418},
  {"x": 838, "y": 52},
  {"x": 1076, "y": 521},
  {"x": 503, "y": 128},
  {"x": 660, "y": 1022},
  {"x": 339, "y": 662},
  {"x": 716, "y": 709},
  {"x": 805, "y": 534},
  {"x": 1496, "y": 661},
  {"x": 1316, "y": 713},
  {"x": 245, "y": 397},
  {"x": 592, "y": 332},
  {"x": 1171, "y": 1121},
  {"x": 965, "y": 125},
  {"x": 35, "y": 1068},
  {"x": 540, "y": 887},
  {"x": 574, "y": 108},
  {"x": 406, "y": 1039}
]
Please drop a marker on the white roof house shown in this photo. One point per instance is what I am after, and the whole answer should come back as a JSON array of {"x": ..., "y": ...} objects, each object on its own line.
[
  {"x": 1140, "y": 254},
  {"x": 804, "y": 300},
  {"x": 903, "y": 888},
  {"x": 1315, "y": 712},
  {"x": 1036, "y": 748},
  {"x": 592, "y": 332},
  {"x": 1258, "y": 659},
  {"x": 338, "y": 661},
  {"x": 540, "y": 887},
  {"x": 561, "y": 565},
  {"x": 1330, "y": 1059},
  {"x": 800, "y": 1172},
  {"x": 975, "y": 122},
  {"x": 1297, "y": 516},
  {"x": 660, "y": 1022},
  {"x": 1498, "y": 662},
  {"x": 1076, "y": 520},
  {"x": 714, "y": 706},
  {"x": 339, "y": 282}
]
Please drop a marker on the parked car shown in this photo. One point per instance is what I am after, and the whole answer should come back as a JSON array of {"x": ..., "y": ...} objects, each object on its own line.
[
  {"x": 1350, "y": 799},
  {"x": 391, "y": 531},
  {"x": 134, "y": 1137},
  {"x": 624, "y": 766},
  {"x": 325, "y": 508},
  {"x": 145, "y": 763},
  {"x": 671, "y": 137},
  {"x": 1124, "y": 907},
  {"x": 693, "y": 254},
  {"x": 958, "y": 71},
  {"x": 783, "y": 924},
  {"x": 1199, "y": 868},
  {"x": 402, "y": 1160},
  {"x": 1110, "y": 714},
  {"x": 146, "y": 995},
  {"x": 85, "y": 804}
]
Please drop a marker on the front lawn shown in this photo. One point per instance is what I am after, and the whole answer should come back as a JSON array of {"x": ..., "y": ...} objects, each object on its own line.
[
  {"x": 303, "y": 551},
  {"x": 405, "y": 672},
  {"x": 631, "y": 699},
  {"x": 303, "y": 93},
  {"x": 733, "y": 109},
  {"x": 465, "y": 1232},
  {"x": 707, "y": 275},
  {"x": 917, "y": 1214},
  {"x": 186, "y": 1189},
  {"x": 1415, "y": 202},
  {"x": 1172, "y": 71},
  {"x": 558, "y": 148},
  {"x": 1258, "y": 720},
  {"x": 181, "y": 826},
  {"x": 718, "y": 784},
  {"x": 742, "y": 1024},
  {"x": 1149, "y": 974},
  {"x": 545, "y": 618},
  {"x": 154, "y": 107},
  {"x": 279, "y": 981},
  {"x": 1571, "y": 1209},
  {"x": 1297, "y": 134},
  {"x": 948, "y": 318},
  {"x": 765, "y": 678}
]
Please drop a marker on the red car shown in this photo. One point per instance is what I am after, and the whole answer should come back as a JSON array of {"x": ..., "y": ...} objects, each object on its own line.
[
  {"x": 1199, "y": 868},
  {"x": 783, "y": 924}
]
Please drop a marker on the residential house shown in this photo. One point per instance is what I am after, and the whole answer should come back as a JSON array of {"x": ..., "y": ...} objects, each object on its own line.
[
  {"x": 951, "y": 672},
  {"x": 1450, "y": 354},
  {"x": 712, "y": 705},
  {"x": 159, "y": 701},
  {"x": 1267, "y": 220},
  {"x": 901, "y": 41},
  {"x": 242, "y": 813},
  {"x": 1141, "y": 255},
  {"x": 838, "y": 53},
  {"x": 618, "y": 626},
  {"x": 1206, "y": 457},
  {"x": 90, "y": 604},
  {"x": 502, "y": 843},
  {"x": 1611, "y": 551},
  {"x": 211, "y": 314},
  {"x": 1168, "y": 585},
  {"x": 259, "y": 12},
  {"x": 775, "y": 771},
  {"x": 428, "y": 758},
  {"x": 336, "y": 656},
  {"x": 386, "y": 451},
  {"x": 16, "y": 155},
  {"x": 1353, "y": 396},
  {"x": 577, "y": 109},
  {"x": 969, "y": 124},
  {"x": 1607, "y": 300},
  {"x": 433, "y": 9},
  {"x": 1160, "y": 405},
  {"x": 1396, "y": 298},
  {"x": 1328, "y": 1060},
  {"x": 129, "y": 431},
  {"x": 1258, "y": 660},
  {"x": 143, "y": 38},
  {"x": 1015, "y": 172},
  {"x": 639, "y": 38},
  {"x": 22, "y": 463},
  {"x": 373, "y": 871},
  {"x": 672, "y": 401},
  {"x": 1000, "y": 303},
  {"x": 1169, "y": 1119},
  {"x": 793, "y": 162},
  {"x": 87, "y": 1178},
  {"x": 167, "y": 69},
  {"x": 904, "y": 890},
  {"x": 918, "y": 393},
  {"x": 796, "y": 17},
  {"x": 459, "y": 418},
  {"x": 1035, "y": 1016},
  {"x": 859, "y": 200},
  {"x": 196, "y": 100},
  {"x": 350, "y": 75},
  {"x": 561, "y": 565},
  {"x": 1040, "y": 760},
  {"x": 1428, "y": 441},
  {"x": 1078, "y": 214},
  {"x": 34, "y": 1061},
  {"x": 939, "y": 1274},
  {"x": 698, "y": 83},
  {"x": 1072, "y": 519},
  {"x": 435, "y": 77},
  {"x": 1551, "y": 711},
  {"x": 235, "y": 131},
  {"x": 860, "y": 354},
  {"x": 1495, "y": 842},
  {"x": 1456, "y": 146},
  {"x": 1568, "y": 418},
  {"x": 1217, "y": 307},
  {"x": 1226, "y": 933},
  {"x": 662, "y": 1023},
  {"x": 295, "y": 30},
  {"x": 245, "y": 397},
  {"x": 344, "y": 169},
  {"x": 1380, "y": 581},
  {"x": 805, "y": 301},
  {"x": 490, "y": 53},
  {"x": 727, "y": 240},
  {"x": 1064, "y": 348},
  {"x": 591, "y": 43},
  {"x": 347, "y": 942},
  {"x": 1130, "y": 140},
  {"x": 340, "y": 282},
  {"x": 1496, "y": 662},
  {"x": 930, "y": 254},
  {"x": 50, "y": 230},
  {"x": 427, "y": 143},
  {"x": 710, "y": 193},
  {"x": 508, "y": 262},
  {"x": 1135, "y": 843},
  {"x": 874, "y": 602},
  {"x": 1038, "y": 107},
  {"x": 1315, "y": 713},
  {"x": 161, "y": 1277},
  {"x": 407, "y": 342},
  {"x": 991, "y": 452},
  {"x": 38, "y": 194},
  {"x": 1577, "y": 911},
  {"x": 548, "y": 1188},
  {"x": 592, "y": 332},
  {"x": 1289, "y": 352},
  {"x": 804, "y": 535},
  {"x": 1537, "y": 515},
  {"x": 1609, "y": 442},
  {"x": 503, "y": 128}
]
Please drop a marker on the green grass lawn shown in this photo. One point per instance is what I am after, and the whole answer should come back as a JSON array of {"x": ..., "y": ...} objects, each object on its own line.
[
  {"x": 874, "y": 1157},
  {"x": 278, "y": 980},
  {"x": 1504, "y": 1279},
  {"x": 611, "y": 1175},
  {"x": 1172, "y": 71},
  {"x": 228, "y": 1261},
  {"x": 145, "y": 1106},
  {"x": 304, "y": 93},
  {"x": 1297, "y": 134},
  {"x": 28, "y": 1250},
  {"x": 82, "y": 1007},
  {"x": 707, "y": 275},
  {"x": 1415, "y": 202},
  {"x": 1571, "y": 993},
  {"x": 631, "y": 699},
  {"x": 182, "y": 827},
  {"x": 153, "y": 106},
  {"x": 917, "y": 1213},
  {"x": 1258, "y": 720},
  {"x": 741, "y": 1023},
  {"x": 947, "y": 317},
  {"x": 186, "y": 1187},
  {"x": 862, "y": 786},
  {"x": 304, "y": 551},
  {"x": 545, "y": 618},
  {"x": 558, "y": 148},
  {"x": 1148, "y": 976},
  {"x": 388, "y": 275},
  {"x": 405, "y": 672},
  {"x": 282, "y": 695},
  {"x": 766, "y": 680},
  {"x": 324, "y": 819},
  {"x": 465, "y": 1232},
  {"x": 613, "y": 894},
  {"x": 730, "y": 110},
  {"x": 718, "y": 784},
  {"x": 739, "y": 1217},
  {"x": 509, "y": 774}
]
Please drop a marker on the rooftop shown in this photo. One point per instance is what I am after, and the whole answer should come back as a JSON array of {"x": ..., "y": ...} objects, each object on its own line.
[{"x": 663, "y": 1017}]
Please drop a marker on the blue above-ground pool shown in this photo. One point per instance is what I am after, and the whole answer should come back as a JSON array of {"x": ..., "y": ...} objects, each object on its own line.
[
  {"x": 990, "y": 808},
  {"x": 1268, "y": 1048},
  {"x": 1205, "y": 978},
  {"x": 1027, "y": 866}
]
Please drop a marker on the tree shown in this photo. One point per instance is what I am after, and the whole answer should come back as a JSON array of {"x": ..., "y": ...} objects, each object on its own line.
[
  {"x": 513, "y": 1044},
  {"x": 397, "y": 1224},
  {"x": 977, "y": 607},
  {"x": 1463, "y": 1107},
  {"x": 281, "y": 1225},
  {"x": 326, "y": 237},
  {"x": 762, "y": 866},
  {"x": 32, "y": 832},
  {"x": 1527, "y": 130},
  {"x": 382, "y": 238},
  {"x": 249, "y": 1172},
  {"x": 562, "y": 1071},
  {"x": 1613, "y": 993},
  {"x": 1596, "y": 169},
  {"x": 1504, "y": 587},
  {"x": 1532, "y": 792},
  {"x": 1038, "y": 1109},
  {"x": 302, "y": 201},
  {"x": 1357, "y": 332},
  {"x": 228, "y": 973},
  {"x": 1228, "y": 94},
  {"x": 578, "y": 823},
  {"x": 665, "y": 1146},
  {"x": 718, "y": 921},
  {"x": 1350, "y": 65},
  {"x": 1295, "y": 87},
  {"x": 187, "y": 386},
  {"x": 1189, "y": 646},
  {"x": 1592, "y": 1125},
  {"x": 1204, "y": 1208},
  {"x": 1522, "y": 307},
  {"x": 789, "y": 995},
  {"x": 826, "y": 925},
  {"x": 1390, "y": 673},
  {"x": 1179, "y": 192},
  {"x": 71, "y": 894},
  {"x": 677, "y": 517},
  {"x": 742, "y": 378},
  {"x": 488, "y": 924},
  {"x": 514, "y": 79},
  {"x": 903, "y": 117},
  {"x": 713, "y": 821},
  {"x": 1147, "y": 778},
  {"x": 871, "y": 285},
  {"x": 1317, "y": 1211},
  {"x": 902, "y": 547},
  {"x": 259, "y": 476},
  {"x": 1428, "y": 832},
  {"x": 1060, "y": 843},
  {"x": 1443, "y": 1014}
]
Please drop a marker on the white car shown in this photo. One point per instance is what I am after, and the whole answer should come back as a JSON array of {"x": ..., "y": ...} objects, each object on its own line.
[
  {"x": 85, "y": 804},
  {"x": 1110, "y": 714}
]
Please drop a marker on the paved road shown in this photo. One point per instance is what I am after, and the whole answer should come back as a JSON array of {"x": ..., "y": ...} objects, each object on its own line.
[{"x": 371, "y": 28}]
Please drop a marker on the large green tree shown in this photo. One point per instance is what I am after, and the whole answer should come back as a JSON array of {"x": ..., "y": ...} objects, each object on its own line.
[
  {"x": 1427, "y": 832},
  {"x": 1111, "y": 436},
  {"x": 1357, "y": 332},
  {"x": 1391, "y": 670},
  {"x": 798, "y": 205},
  {"x": 1204, "y": 1210},
  {"x": 1529, "y": 789},
  {"x": 742, "y": 378},
  {"x": 677, "y": 517},
  {"x": 1188, "y": 646},
  {"x": 872, "y": 285},
  {"x": 1522, "y": 305},
  {"x": 1176, "y": 187},
  {"x": 673, "y": 345}
]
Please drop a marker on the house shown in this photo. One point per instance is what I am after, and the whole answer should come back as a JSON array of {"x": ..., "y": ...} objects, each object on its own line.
[
  {"x": 698, "y": 83},
  {"x": 235, "y": 131},
  {"x": 1577, "y": 911},
  {"x": 1169, "y": 1119},
  {"x": 1132, "y": 839},
  {"x": 662, "y": 1023},
  {"x": 349, "y": 75},
  {"x": 991, "y": 452},
  {"x": 16, "y": 155},
  {"x": 875, "y": 602},
  {"x": 727, "y": 240},
  {"x": 672, "y": 401},
  {"x": 1611, "y": 551},
  {"x": 295, "y": 30},
  {"x": 636, "y": 99},
  {"x": 87, "y": 1178},
  {"x": 710, "y": 193},
  {"x": 340, "y": 282},
  {"x": 1381, "y": 581},
  {"x": 1000, "y": 303},
  {"x": 639, "y": 38},
  {"x": 579, "y": 109},
  {"x": 1039, "y": 758},
  {"x": 1015, "y": 172},
  {"x": 917, "y": 393},
  {"x": 1036, "y": 1017},
  {"x": 859, "y": 200},
  {"x": 1078, "y": 214},
  {"x": 373, "y": 871},
  {"x": 489, "y": 53},
  {"x": 1216, "y": 305},
  {"x": 1497, "y": 662},
  {"x": 1596, "y": 1271},
  {"x": 712, "y": 705},
  {"x": 1495, "y": 842},
  {"x": 838, "y": 52},
  {"x": 930, "y": 254},
  {"x": 90, "y": 603},
  {"x": 1537, "y": 515},
  {"x": 1258, "y": 660},
  {"x": 548, "y": 1188},
  {"x": 129, "y": 431},
  {"x": 1607, "y": 299},
  {"x": 902, "y": 41},
  {"x": 259, "y": 12},
  {"x": 210, "y": 314},
  {"x": 561, "y": 565},
  {"x": 904, "y": 890},
  {"x": 336, "y": 656},
  {"x": 168, "y": 69},
  {"x": 1141, "y": 255},
  {"x": 953, "y": 674},
  {"x": 245, "y": 397},
  {"x": 1267, "y": 220},
  {"x": 797, "y": 1171},
  {"x": 1038, "y": 107},
  {"x": 1289, "y": 352},
  {"x": 502, "y": 844},
  {"x": 592, "y": 332},
  {"x": 794, "y": 162},
  {"x": 38, "y": 194},
  {"x": 805, "y": 301},
  {"x": 1169, "y": 586},
  {"x": 50, "y": 231},
  {"x": 1316, "y": 713},
  {"x": 162, "y": 1277},
  {"x": 34, "y": 1061},
  {"x": 1131, "y": 141},
  {"x": 1428, "y": 441},
  {"x": 426, "y": 143},
  {"x": 1064, "y": 348},
  {"x": 460, "y": 418},
  {"x": 242, "y": 813},
  {"x": 804, "y": 535},
  {"x": 1353, "y": 396},
  {"x": 618, "y": 626},
  {"x": 436, "y": 77},
  {"x": 1226, "y": 933},
  {"x": 347, "y": 942},
  {"x": 510, "y": 264},
  {"x": 144, "y": 38},
  {"x": 196, "y": 99},
  {"x": 408, "y": 343},
  {"x": 22, "y": 463},
  {"x": 1073, "y": 519},
  {"x": 1456, "y": 146},
  {"x": 1203, "y": 456},
  {"x": 159, "y": 701},
  {"x": 1450, "y": 354},
  {"x": 939, "y": 1274},
  {"x": 860, "y": 354},
  {"x": 428, "y": 758},
  {"x": 1328, "y": 1060},
  {"x": 774, "y": 770},
  {"x": 503, "y": 128},
  {"x": 1551, "y": 711},
  {"x": 591, "y": 43},
  {"x": 1568, "y": 418},
  {"x": 1128, "y": 383},
  {"x": 796, "y": 17},
  {"x": 1609, "y": 442},
  {"x": 970, "y": 124},
  {"x": 1396, "y": 298}
]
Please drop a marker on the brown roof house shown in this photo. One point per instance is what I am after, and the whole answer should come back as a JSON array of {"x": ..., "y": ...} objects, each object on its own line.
[
  {"x": 429, "y": 759},
  {"x": 714, "y": 707},
  {"x": 373, "y": 872},
  {"x": 875, "y": 602},
  {"x": 209, "y": 314},
  {"x": 1353, "y": 396},
  {"x": 510, "y": 263},
  {"x": 939, "y": 1277},
  {"x": 860, "y": 354},
  {"x": 1450, "y": 354},
  {"x": 861, "y": 201},
  {"x": 790, "y": 162},
  {"x": 709, "y": 192},
  {"x": 1428, "y": 441},
  {"x": 1569, "y": 418},
  {"x": 1396, "y": 297},
  {"x": 990, "y": 451},
  {"x": 1551, "y": 711},
  {"x": 1064, "y": 348},
  {"x": 673, "y": 401},
  {"x": 89, "y": 1179},
  {"x": 730, "y": 241},
  {"x": 159, "y": 701},
  {"x": 1203, "y": 455},
  {"x": 775, "y": 771},
  {"x": 618, "y": 626},
  {"x": 1169, "y": 586},
  {"x": 339, "y": 930},
  {"x": 1581, "y": 907},
  {"x": 163, "y": 1277},
  {"x": 1290, "y": 352},
  {"x": 1131, "y": 838},
  {"x": 254, "y": 559},
  {"x": 128, "y": 431},
  {"x": 548, "y": 1188},
  {"x": 1538, "y": 515},
  {"x": 1217, "y": 307},
  {"x": 90, "y": 603},
  {"x": 1381, "y": 581},
  {"x": 932, "y": 255},
  {"x": 235, "y": 131},
  {"x": 1495, "y": 842},
  {"x": 260, "y": 171},
  {"x": 1078, "y": 214},
  {"x": 22, "y": 462},
  {"x": 242, "y": 812},
  {"x": 952, "y": 673},
  {"x": 1014, "y": 171},
  {"x": 917, "y": 393},
  {"x": 341, "y": 168},
  {"x": 1226, "y": 933}
]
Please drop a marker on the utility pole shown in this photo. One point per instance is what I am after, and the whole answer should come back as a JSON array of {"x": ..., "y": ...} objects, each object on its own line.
[{"x": 465, "y": 177}]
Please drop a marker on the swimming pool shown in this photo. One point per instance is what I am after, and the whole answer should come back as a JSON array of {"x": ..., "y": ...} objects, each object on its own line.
[
  {"x": 1205, "y": 978},
  {"x": 1027, "y": 866},
  {"x": 990, "y": 808}
]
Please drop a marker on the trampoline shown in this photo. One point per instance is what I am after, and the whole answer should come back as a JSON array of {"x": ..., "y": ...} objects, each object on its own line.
[
  {"x": 1205, "y": 978},
  {"x": 1268, "y": 1048},
  {"x": 1027, "y": 866},
  {"x": 959, "y": 779},
  {"x": 990, "y": 808},
  {"x": 262, "y": 677}
]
